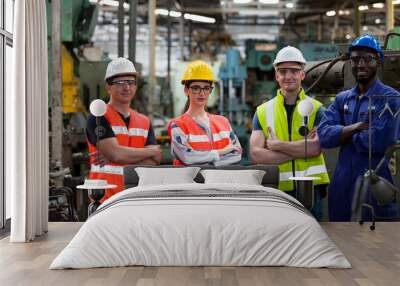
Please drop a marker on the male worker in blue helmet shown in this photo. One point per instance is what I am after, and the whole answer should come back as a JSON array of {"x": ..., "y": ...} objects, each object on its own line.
[{"x": 346, "y": 124}]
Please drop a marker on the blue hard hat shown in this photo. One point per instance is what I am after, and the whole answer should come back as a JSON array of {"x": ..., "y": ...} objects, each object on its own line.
[{"x": 367, "y": 41}]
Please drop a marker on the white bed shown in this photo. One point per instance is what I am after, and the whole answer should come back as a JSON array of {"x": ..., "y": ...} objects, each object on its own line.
[{"x": 203, "y": 225}]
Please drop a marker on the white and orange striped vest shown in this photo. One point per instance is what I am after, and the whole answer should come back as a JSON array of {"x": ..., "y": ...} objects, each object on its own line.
[
  {"x": 134, "y": 136},
  {"x": 198, "y": 138}
]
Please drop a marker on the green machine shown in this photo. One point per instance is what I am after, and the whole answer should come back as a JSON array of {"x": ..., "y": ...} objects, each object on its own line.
[{"x": 261, "y": 84}]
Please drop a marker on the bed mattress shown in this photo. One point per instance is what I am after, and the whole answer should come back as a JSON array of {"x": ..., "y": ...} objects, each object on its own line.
[{"x": 201, "y": 225}]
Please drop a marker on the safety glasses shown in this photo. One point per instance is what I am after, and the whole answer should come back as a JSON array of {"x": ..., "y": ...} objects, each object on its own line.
[
  {"x": 122, "y": 83},
  {"x": 367, "y": 59},
  {"x": 288, "y": 71},
  {"x": 196, "y": 89}
]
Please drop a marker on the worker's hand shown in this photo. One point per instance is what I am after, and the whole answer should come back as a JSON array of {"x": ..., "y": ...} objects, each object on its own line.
[
  {"x": 229, "y": 148},
  {"x": 271, "y": 134},
  {"x": 98, "y": 159},
  {"x": 237, "y": 148},
  {"x": 360, "y": 126},
  {"x": 272, "y": 143},
  {"x": 349, "y": 130},
  {"x": 155, "y": 152},
  {"x": 312, "y": 134}
]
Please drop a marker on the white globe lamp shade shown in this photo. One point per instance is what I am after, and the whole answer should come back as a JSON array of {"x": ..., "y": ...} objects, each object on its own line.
[
  {"x": 98, "y": 107},
  {"x": 305, "y": 108}
]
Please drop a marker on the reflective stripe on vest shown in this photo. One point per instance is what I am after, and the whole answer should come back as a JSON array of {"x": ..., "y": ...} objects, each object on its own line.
[
  {"x": 107, "y": 169},
  {"x": 204, "y": 138},
  {"x": 221, "y": 135},
  {"x": 273, "y": 114},
  {"x": 198, "y": 138},
  {"x": 122, "y": 130},
  {"x": 311, "y": 171},
  {"x": 138, "y": 132},
  {"x": 135, "y": 136}
]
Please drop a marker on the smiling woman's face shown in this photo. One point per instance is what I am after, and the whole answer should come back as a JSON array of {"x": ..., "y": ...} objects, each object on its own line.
[{"x": 198, "y": 93}]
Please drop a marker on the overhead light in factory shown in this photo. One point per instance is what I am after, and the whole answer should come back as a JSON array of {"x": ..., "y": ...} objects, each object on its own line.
[
  {"x": 344, "y": 12},
  {"x": 175, "y": 14},
  {"x": 363, "y": 7},
  {"x": 348, "y": 36},
  {"x": 289, "y": 5},
  {"x": 242, "y": 1},
  {"x": 331, "y": 13},
  {"x": 365, "y": 28},
  {"x": 163, "y": 12},
  {"x": 271, "y": 2},
  {"x": 258, "y": 12},
  {"x": 377, "y": 21},
  {"x": 198, "y": 18},
  {"x": 378, "y": 5},
  {"x": 395, "y": 2},
  {"x": 112, "y": 3}
]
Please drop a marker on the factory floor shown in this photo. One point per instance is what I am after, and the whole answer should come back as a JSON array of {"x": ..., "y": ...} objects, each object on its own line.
[{"x": 374, "y": 255}]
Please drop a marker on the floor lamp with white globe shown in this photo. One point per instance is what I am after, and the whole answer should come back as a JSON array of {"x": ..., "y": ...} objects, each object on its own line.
[{"x": 96, "y": 188}]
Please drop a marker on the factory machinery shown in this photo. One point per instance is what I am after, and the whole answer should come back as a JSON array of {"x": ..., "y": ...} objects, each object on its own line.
[{"x": 333, "y": 75}]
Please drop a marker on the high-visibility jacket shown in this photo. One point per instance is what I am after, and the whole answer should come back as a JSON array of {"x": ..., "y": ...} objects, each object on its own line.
[
  {"x": 273, "y": 114},
  {"x": 134, "y": 136},
  {"x": 197, "y": 136}
]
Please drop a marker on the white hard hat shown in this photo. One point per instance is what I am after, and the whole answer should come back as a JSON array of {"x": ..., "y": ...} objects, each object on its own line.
[
  {"x": 120, "y": 66},
  {"x": 289, "y": 54}
]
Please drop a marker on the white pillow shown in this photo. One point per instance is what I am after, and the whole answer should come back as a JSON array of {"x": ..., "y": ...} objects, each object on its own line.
[
  {"x": 166, "y": 176},
  {"x": 248, "y": 177}
]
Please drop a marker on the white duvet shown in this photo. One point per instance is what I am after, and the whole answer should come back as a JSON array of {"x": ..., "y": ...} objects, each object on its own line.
[{"x": 185, "y": 230}]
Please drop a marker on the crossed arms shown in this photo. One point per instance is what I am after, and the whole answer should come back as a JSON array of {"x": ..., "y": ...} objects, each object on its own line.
[{"x": 276, "y": 151}]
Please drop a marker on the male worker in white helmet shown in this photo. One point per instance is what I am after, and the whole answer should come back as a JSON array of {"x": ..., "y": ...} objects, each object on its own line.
[
  {"x": 277, "y": 137},
  {"x": 125, "y": 135}
]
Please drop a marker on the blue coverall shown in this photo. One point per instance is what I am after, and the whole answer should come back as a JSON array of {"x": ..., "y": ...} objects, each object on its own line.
[{"x": 347, "y": 109}]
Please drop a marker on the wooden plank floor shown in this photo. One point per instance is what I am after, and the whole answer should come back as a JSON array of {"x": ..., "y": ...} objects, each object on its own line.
[{"x": 374, "y": 255}]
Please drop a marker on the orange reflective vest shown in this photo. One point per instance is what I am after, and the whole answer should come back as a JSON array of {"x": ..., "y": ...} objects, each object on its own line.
[
  {"x": 198, "y": 138},
  {"x": 134, "y": 136}
]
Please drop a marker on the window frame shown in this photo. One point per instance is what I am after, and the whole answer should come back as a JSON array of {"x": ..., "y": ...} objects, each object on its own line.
[{"x": 6, "y": 39}]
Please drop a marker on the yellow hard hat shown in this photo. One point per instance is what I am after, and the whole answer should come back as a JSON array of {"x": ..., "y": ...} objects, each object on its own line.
[{"x": 198, "y": 70}]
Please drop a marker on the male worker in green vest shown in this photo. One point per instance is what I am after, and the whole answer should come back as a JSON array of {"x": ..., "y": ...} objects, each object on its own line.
[{"x": 277, "y": 137}]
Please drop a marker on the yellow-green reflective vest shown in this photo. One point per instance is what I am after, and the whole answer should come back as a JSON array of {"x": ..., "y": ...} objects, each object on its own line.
[{"x": 273, "y": 114}]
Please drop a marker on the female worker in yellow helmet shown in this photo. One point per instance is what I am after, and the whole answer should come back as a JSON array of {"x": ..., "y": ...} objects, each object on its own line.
[{"x": 198, "y": 137}]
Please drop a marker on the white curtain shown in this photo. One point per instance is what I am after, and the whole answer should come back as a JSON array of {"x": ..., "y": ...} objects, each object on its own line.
[{"x": 26, "y": 121}]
